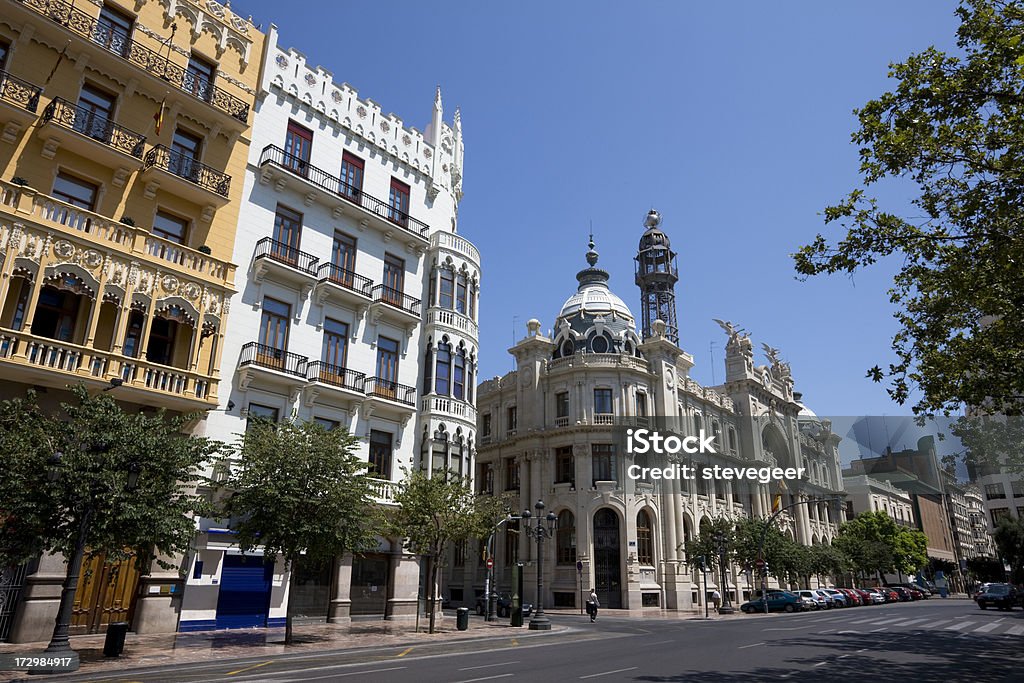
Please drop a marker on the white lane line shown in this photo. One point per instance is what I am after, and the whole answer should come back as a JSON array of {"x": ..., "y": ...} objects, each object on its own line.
[
  {"x": 843, "y": 656},
  {"x": 487, "y": 666},
  {"x": 603, "y": 673},
  {"x": 908, "y": 623},
  {"x": 485, "y": 678},
  {"x": 933, "y": 624},
  {"x": 962, "y": 625},
  {"x": 660, "y": 642},
  {"x": 843, "y": 633},
  {"x": 331, "y": 676},
  {"x": 987, "y": 627},
  {"x": 863, "y": 649},
  {"x": 879, "y": 630},
  {"x": 1015, "y": 631},
  {"x": 744, "y": 647},
  {"x": 795, "y": 628},
  {"x": 865, "y": 621},
  {"x": 820, "y": 664}
]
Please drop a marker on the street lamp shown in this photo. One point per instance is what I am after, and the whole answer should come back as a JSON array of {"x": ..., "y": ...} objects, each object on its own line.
[
  {"x": 540, "y": 621},
  {"x": 725, "y": 607},
  {"x": 60, "y": 643}
]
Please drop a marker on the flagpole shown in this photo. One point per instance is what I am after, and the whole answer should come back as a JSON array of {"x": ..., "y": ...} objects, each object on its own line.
[{"x": 60, "y": 58}]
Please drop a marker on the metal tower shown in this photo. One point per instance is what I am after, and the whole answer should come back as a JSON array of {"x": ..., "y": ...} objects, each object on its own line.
[{"x": 656, "y": 276}]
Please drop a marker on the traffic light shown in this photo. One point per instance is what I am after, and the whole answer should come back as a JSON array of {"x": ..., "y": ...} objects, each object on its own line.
[{"x": 703, "y": 564}]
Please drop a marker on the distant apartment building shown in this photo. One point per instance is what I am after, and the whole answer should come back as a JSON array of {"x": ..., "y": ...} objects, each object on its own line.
[
  {"x": 983, "y": 546},
  {"x": 867, "y": 494},
  {"x": 123, "y": 141}
]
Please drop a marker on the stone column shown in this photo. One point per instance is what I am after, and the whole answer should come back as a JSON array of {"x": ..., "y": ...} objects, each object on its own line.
[
  {"x": 340, "y": 609},
  {"x": 159, "y": 603},
  {"x": 35, "y": 616},
  {"x": 403, "y": 585}
]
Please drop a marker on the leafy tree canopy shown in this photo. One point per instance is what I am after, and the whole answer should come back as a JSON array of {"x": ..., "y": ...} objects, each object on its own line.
[
  {"x": 1009, "y": 540},
  {"x": 954, "y": 127}
]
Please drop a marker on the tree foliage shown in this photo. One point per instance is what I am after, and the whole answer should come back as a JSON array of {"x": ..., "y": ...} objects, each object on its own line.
[
  {"x": 298, "y": 491},
  {"x": 1009, "y": 540},
  {"x": 954, "y": 128},
  {"x": 99, "y": 443},
  {"x": 876, "y": 545}
]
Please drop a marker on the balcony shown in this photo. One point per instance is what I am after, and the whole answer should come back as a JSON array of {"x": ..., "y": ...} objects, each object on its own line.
[
  {"x": 342, "y": 286},
  {"x": 454, "y": 243},
  {"x": 271, "y": 366},
  {"x": 119, "y": 50},
  {"x": 599, "y": 360},
  {"x": 182, "y": 176},
  {"x": 453, "y": 320},
  {"x": 19, "y": 101},
  {"x": 93, "y": 137},
  {"x": 604, "y": 418},
  {"x": 394, "y": 306},
  {"x": 315, "y": 184},
  {"x": 449, "y": 408},
  {"x": 334, "y": 381},
  {"x": 32, "y": 359},
  {"x": 383, "y": 491},
  {"x": 89, "y": 230},
  {"x": 284, "y": 264}
]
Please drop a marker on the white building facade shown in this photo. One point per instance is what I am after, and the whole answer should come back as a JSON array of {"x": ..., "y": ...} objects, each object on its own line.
[
  {"x": 552, "y": 430},
  {"x": 351, "y": 275},
  {"x": 867, "y": 494}
]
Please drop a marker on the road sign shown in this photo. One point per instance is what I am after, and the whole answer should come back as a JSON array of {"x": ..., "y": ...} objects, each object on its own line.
[
  {"x": 490, "y": 562},
  {"x": 760, "y": 564},
  {"x": 579, "y": 565}
]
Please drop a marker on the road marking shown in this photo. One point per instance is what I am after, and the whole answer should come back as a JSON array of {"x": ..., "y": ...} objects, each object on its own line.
[
  {"x": 987, "y": 627},
  {"x": 250, "y": 668},
  {"x": 908, "y": 623},
  {"x": 486, "y": 678},
  {"x": 359, "y": 673},
  {"x": 487, "y": 666},
  {"x": 863, "y": 649},
  {"x": 744, "y": 647},
  {"x": 879, "y": 630},
  {"x": 933, "y": 624},
  {"x": 1015, "y": 631},
  {"x": 607, "y": 673},
  {"x": 660, "y": 642},
  {"x": 820, "y": 664},
  {"x": 841, "y": 633},
  {"x": 515, "y": 642},
  {"x": 795, "y": 628},
  {"x": 843, "y": 656},
  {"x": 404, "y": 652},
  {"x": 961, "y": 625}
]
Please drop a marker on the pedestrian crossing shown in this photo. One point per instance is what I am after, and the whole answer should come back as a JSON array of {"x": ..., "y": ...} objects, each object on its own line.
[{"x": 989, "y": 625}]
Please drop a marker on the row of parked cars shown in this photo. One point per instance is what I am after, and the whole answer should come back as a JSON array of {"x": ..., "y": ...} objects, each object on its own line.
[{"x": 807, "y": 599}]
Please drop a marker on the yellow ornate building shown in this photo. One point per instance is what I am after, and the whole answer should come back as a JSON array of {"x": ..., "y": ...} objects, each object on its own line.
[{"x": 124, "y": 134}]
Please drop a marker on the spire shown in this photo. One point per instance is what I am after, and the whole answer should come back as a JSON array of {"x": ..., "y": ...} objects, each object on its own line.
[
  {"x": 437, "y": 99},
  {"x": 656, "y": 276},
  {"x": 592, "y": 275}
]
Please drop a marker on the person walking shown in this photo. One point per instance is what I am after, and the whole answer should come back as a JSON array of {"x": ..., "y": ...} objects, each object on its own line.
[
  {"x": 716, "y": 599},
  {"x": 593, "y": 604}
]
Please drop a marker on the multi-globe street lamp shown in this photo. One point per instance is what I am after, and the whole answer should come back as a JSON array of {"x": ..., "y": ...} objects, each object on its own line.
[{"x": 541, "y": 532}]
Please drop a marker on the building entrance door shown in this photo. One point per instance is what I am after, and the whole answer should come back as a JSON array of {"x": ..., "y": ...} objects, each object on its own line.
[
  {"x": 607, "y": 559},
  {"x": 369, "y": 584},
  {"x": 105, "y": 594}
]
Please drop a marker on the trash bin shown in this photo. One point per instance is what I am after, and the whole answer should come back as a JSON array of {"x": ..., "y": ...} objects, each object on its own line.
[
  {"x": 462, "y": 618},
  {"x": 113, "y": 645},
  {"x": 517, "y": 616}
]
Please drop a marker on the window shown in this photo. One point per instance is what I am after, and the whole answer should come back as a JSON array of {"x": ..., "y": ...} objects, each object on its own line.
[
  {"x": 298, "y": 145},
  {"x": 394, "y": 279},
  {"x": 602, "y": 456},
  {"x": 162, "y": 333},
  {"x": 287, "y": 232},
  {"x": 599, "y": 344},
  {"x": 4, "y": 51},
  {"x": 199, "y": 77},
  {"x": 260, "y": 412},
  {"x": 351, "y": 176},
  {"x": 335, "y": 347},
  {"x": 511, "y": 474},
  {"x": 472, "y": 302},
  {"x": 326, "y": 423},
  {"x": 442, "y": 378},
  {"x": 459, "y": 558},
  {"x": 274, "y": 328},
  {"x": 485, "y": 425},
  {"x": 998, "y": 514},
  {"x": 113, "y": 30},
  {"x": 447, "y": 288},
  {"x": 133, "y": 336},
  {"x": 603, "y": 401},
  {"x": 469, "y": 379},
  {"x": 170, "y": 227},
  {"x": 387, "y": 360},
  {"x": 565, "y": 466},
  {"x": 24, "y": 288},
  {"x": 512, "y": 542},
  {"x": 486, "y": 477},
  {"x": 75, "y": 191},
  {"x": 644, "y": 547},
  {"x": 511, "y": 420},
  {"x": 460, "y": 294},
  {"x": 398, "y": 200},
  {"x": 641, "y": 407},
  {"x": 1017, "y": 488},
  {"x": 343, "y": 257},
  {"x": 562, "y": 405},
  {"x": 380, "y": 454},
  {"x": 56, "y": 314},
  {"x": 96, "y": 111},
  {"x": 994, "y": 491},
  {"x": 459, "y": 375},
  {"x": 732, "y": 446},
  {"x": 185, "y": 150},
  {"x": 565, "y": 538}
]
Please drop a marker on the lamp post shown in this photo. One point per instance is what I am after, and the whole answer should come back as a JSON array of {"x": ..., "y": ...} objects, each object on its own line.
[
  {"x": 540, "y": 621},
  {"x": 60, "y": 643},
  {"x": 726, "y": 606},
  {"x": 490, "y": 594}
]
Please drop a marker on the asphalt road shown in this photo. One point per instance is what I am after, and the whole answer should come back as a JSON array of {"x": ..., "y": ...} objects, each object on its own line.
[{"x": 934, "y": 640}]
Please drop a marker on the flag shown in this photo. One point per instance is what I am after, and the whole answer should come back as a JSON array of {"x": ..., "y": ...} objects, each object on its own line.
[
  {"x": 777, "y": 504},
  {"x": 158, "y": 117}
]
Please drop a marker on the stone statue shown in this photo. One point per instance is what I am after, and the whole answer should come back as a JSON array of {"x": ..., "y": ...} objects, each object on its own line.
[{"x": 738, "y": 339}]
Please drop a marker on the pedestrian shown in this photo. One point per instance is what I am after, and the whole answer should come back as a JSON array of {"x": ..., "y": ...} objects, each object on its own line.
[
  {"x": 593, "y": 604},
  {"x": 716, "y": 599}
]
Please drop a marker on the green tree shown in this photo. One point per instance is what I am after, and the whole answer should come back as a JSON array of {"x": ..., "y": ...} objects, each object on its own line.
[
  {"x": 99, "y": 443},
  {"x": 433, "y": 512},
  {"x": 827, "y": 560},
  {"x": 705, "y": 544},
  {"x": 1009, "y": 540},
  {"x": 875, "y": 544},
  {"x": 953, "y": 127},
  {"x": 298, "y": 491},
  {"x": 986, "y": 569}
]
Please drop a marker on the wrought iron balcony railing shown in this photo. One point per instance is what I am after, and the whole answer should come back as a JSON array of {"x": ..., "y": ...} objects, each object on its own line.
[
  {"x": 270, "y": 248},
  {"x": 186, "y": 167},
  {"x": 396, "y": 298},
  {"x": 273, "y": 358},
  {"x": 92, "y": 125},
  {"x": 19, "y": 92},
  {"x": 272, "y": 154},
  {"x": 335, "y": 274},
  {"x": 384, "y": 388},
  {"x": 116, "y": 42},
  {"x": 336, "y": 375}
]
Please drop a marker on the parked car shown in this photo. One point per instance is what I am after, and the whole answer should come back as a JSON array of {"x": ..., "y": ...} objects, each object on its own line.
[
  {"x": 503, "y": 608},
  {"x": 839, "y": 598},
  {"x": 903, "y": 593},
  {"x": 921, "y": 593},
  {"x": 778, "y": 601},
  {"x": 879, "y": 596},
  {"x": 828, "y": 597},
  {"x": 1001, "y": 595},
  {"x": 818, "y": 601},
  {"x": 853, "y": 597},
  {"x": 890, "y": 594},
  {"x": 866, "y": 597}
]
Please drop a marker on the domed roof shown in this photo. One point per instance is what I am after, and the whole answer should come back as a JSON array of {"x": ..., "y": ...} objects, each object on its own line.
[
  {"x": 593, "y": 298},
  {"x": 653, "y": 237}
]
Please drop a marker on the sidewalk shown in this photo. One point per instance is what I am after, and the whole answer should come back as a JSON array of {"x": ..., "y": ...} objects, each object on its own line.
[{"x": 181, "y": 648}]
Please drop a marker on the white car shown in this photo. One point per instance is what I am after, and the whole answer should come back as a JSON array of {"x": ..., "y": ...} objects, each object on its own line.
[{"x": 816, "y": 601}]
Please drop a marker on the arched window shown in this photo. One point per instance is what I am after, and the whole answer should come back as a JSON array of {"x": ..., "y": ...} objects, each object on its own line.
[
  {"x": 599, "y": 344},
  {"x": 459, "y": 375},
  {"x": 442, "y": 381},
  {"x": 566, "y": 538},
  {"x": 470, "y": 387},
  {"x": 472, "y": 301},
  {"x": 428, "y": 375},
  {"x": 644, "y": 547},
  {"x": 433, "y": 286},
  {"x": 461, "y": 292},
  {"x": 447, "y": 289}
]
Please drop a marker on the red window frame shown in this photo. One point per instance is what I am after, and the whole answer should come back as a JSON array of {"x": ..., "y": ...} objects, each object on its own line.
[
  {"x": 298, "y": 147},
  {"x": 352, "y": 168},
  {"x": 398, "y": 201}
]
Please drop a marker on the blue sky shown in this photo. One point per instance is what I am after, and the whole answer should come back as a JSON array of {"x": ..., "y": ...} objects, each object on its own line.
[{"x": 732, "y": 119}]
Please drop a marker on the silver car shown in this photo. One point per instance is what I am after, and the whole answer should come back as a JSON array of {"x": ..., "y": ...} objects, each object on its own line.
[{"x": 815, "y": 600}]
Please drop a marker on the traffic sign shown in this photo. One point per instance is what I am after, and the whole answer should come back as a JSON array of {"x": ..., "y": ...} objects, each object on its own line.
[
  {"x": 490, "y": 562},
  {"x": 579, "y": 566}
]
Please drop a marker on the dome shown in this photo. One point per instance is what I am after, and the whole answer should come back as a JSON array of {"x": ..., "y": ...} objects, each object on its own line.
[
  {"x": 653, "y": 237},
  {"x": 593, "y": 298}
]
